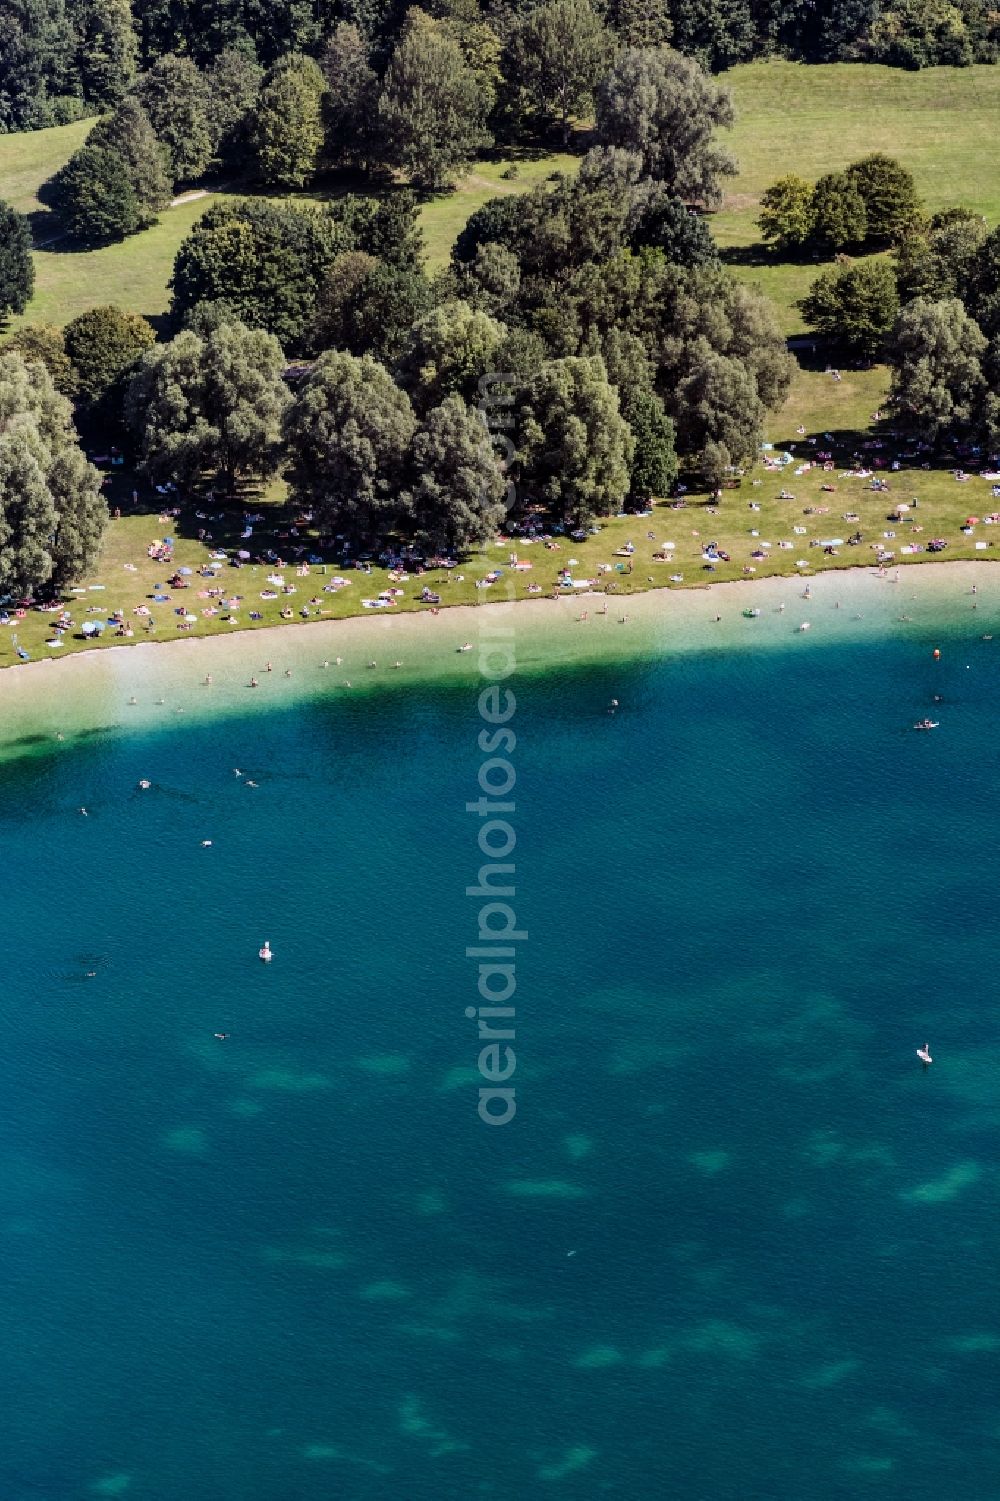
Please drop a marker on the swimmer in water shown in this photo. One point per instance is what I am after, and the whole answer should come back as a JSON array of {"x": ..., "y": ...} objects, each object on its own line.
[
  {"x": 249, "y": 783},
  {"x": 84, "y": 812}
]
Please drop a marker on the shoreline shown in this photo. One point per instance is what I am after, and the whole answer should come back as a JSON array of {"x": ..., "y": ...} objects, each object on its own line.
[{"x": 142, "y": 683}]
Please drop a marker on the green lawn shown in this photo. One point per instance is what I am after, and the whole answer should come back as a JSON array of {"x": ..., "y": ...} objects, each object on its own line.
[
  {"x": 940, "y": 123},
  {"x": 28, "y": 158},
  {"x": 443, "y": 217},
  {"x": 133, "y": 273}
]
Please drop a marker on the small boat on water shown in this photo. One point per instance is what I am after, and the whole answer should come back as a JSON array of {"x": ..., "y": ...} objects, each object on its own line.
[
  {"x": 805, "y": 626},
  {"x": 924, "y": 1054},
  {"x": 751, "y": 614},
  {"x": 266, "y": 953},
  {"x": 927, "y": 724}
]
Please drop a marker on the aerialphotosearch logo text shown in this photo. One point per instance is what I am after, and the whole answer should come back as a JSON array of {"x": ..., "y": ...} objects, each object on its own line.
[{"x": 497, "y": 931}]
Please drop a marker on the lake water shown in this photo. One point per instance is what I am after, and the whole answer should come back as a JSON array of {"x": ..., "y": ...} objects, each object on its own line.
[{"x": 736, "y": 1245}]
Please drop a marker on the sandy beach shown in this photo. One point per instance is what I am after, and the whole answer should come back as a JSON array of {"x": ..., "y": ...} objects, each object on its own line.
[{"x": 150, "y": 682}]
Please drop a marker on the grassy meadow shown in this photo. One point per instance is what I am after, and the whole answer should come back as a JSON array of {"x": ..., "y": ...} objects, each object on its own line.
[{"x": 791, "y": 118}]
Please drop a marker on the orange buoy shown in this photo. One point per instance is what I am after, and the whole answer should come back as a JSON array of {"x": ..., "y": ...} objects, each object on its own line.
[{"x": 937, "y": 654}]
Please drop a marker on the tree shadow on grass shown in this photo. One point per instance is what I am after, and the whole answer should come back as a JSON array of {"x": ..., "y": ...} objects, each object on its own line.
[{"x": 760, "y": 255}]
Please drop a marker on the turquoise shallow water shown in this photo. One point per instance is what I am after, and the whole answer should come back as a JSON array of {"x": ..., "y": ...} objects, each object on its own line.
[{"x": 293, "y": 1265}]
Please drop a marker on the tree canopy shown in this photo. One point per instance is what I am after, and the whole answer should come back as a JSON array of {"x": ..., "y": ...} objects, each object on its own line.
[
  {"x": 94, "y": 196},
  {"x": 210, "y": 404},
  {"x": 348, "y": 434},
  {"x": 17, "y": 269},
  {"x": 431, "y": 111},
  {"x": 288, "y": 124},
  {"x": 854, "y": 305},
  {"x": 667, "y": 110},
  {"x": 102, "y": 344},
  {"x": 52, "y": 511},
  {"x": 576, "y": 447}
]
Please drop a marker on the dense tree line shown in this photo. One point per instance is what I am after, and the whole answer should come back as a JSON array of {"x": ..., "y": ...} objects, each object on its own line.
[{"x": 525, "y": 65}]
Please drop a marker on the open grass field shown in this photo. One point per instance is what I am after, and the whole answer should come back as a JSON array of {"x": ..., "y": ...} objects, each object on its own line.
[
  {"x": 792, "y": 118},
  {"x": 940, "y": 123}
]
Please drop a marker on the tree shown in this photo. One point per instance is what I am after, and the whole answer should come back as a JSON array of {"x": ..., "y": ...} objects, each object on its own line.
[
  {"x": 446, "y": 352},
  {"x": 665, "y": 108},
  {"x": 718, "y": 33},
  {"x": 786, "y": 213},
  {"x": 94, "y": 197},
  {"x": 838, "y": 213},
  {"x": 640, "y": 23},
  {"x": 723, "y": 414},
  {"x": 175, "y": 97},
  {"x": 854, "y": 305},
  {"x": 388, "y": 228},
  {"x": 491, "y": 282},
  {"x": 81, "y": 512},
  {"x": 558, "y": 54},
  {"x": 28, "y": 515},
  {"x": 938, "y": 260},
  {"x": 889, "y": 194},
  {"x": 288, "y": 130},
  {"x": 921, "y": 34},
  {"x": 457, "y": 493},
  {"x": 348, "y": 433},
  {"x": 654, "y": 461},
  {"x": 22, "y": 75},
  {"x": 17, "y": 269},
  {"x": 234, "y": 82},
  {"x": 103, "y": 344},
  {"x": 937, "y": 353},
  {"x": 45, "y": 344},
  {"x": 367, "y": 307},
  {"x": 576, "y": 447},
  {"x": 982, "y": 292},
  {"x": 719, "y": 356},
  {"x": 351, "y": 96},
  {"x": 431, "y": 112},
  {"x": 667, "y": 224},
  {"x": 211, "y": 404},
  {"x": 52, "y": 512},
  {"x": 107, "y": 50},
  {"x": 129, "y": 133},
  {"x": 266, "y": 260}
]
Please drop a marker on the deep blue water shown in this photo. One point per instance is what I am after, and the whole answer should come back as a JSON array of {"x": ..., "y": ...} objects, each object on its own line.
[{"x": 293, "y": 1265}]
